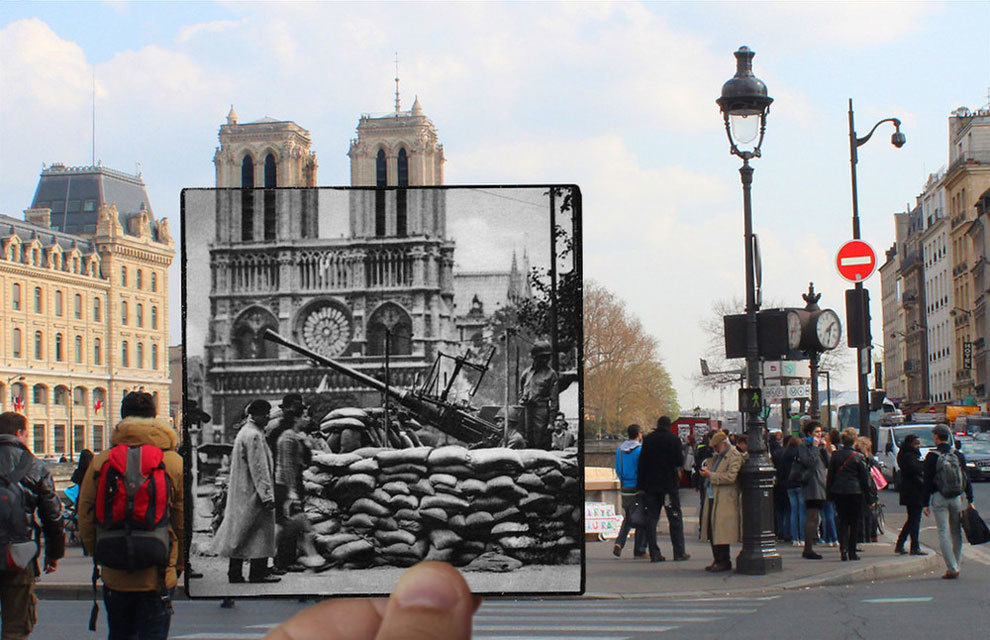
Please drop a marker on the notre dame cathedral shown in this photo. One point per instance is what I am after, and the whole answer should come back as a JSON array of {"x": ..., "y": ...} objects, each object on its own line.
[{"x": 385, "y": 281}]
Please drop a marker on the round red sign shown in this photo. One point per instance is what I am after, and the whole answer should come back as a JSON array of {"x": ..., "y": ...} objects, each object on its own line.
[{"x": 856, "y": 261}]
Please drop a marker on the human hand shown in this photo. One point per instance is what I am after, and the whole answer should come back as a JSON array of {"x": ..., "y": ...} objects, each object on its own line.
[
  {"x": 928, "y": 512},
  {"x": 704, "y": 472},
  {"x": 431, "y": 602},
  {"x": 50, "y": 565}
]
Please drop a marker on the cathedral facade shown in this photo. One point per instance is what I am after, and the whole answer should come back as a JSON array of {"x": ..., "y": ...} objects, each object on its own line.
[{"x": 385, "y": 284}]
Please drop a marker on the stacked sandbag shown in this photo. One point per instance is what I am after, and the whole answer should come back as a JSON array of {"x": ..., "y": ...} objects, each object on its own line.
[{"x": 373, "y": 506}]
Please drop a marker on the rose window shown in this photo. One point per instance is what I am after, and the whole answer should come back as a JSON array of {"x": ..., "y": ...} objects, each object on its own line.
[{"x": 327, "y": 331}]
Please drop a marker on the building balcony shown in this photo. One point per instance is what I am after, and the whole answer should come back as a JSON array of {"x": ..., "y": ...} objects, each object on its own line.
[
  {"x": 960, "y": 268},
  {"x": 969, "y": 158}
]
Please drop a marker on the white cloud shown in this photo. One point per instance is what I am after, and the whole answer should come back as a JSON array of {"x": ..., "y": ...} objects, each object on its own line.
[{"x": 191, "y": 31}]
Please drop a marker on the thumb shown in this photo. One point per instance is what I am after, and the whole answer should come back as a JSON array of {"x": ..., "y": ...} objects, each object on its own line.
[{"x": 430, "y": 602}]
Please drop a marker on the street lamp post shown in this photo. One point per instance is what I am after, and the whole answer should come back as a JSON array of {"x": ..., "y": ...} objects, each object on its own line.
[
  {"x": 863, "y": 360},
  {"x": 744, "y": 104}
]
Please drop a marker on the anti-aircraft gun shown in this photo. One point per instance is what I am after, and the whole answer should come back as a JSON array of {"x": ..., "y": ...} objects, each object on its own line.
[{"x": 450, "y": 418}]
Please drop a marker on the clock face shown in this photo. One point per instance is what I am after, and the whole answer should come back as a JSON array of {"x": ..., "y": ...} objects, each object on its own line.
[
  {"x": 828, "y": 330},
  {"x": 327, "y": 331},
  {"x": 793, "y": 330}
]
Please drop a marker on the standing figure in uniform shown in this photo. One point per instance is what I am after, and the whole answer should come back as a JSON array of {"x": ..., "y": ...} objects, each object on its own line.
[
  {"x": 248, "y": 528},
  {"x": 538, "y": 393}
]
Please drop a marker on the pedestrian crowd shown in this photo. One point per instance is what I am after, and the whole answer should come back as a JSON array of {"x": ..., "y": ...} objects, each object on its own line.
[{"x": 826, "y": 491}]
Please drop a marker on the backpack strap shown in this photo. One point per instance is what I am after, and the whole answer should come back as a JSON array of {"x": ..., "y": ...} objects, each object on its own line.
[
  {"x": 94, "y": 612},
  {"x": 20, "y": 469}
]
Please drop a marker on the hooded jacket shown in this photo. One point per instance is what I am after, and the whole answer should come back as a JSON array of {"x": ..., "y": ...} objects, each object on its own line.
[
  {"x": 137, "y": 431},
  {"x": 39, "y": 494},
  {"x": 627, "y": 462}
]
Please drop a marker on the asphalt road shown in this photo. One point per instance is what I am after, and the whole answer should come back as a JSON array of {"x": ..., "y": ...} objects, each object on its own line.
[{"x": 920, "y": 607}]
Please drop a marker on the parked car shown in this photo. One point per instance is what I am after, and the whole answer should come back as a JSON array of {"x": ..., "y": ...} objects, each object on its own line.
[{"x": 977, "y": 454}]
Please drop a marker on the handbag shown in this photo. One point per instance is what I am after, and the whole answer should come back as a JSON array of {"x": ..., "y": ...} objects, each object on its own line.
[
  {"x": 637, "y": 513},
  {"x": 878, "y": 478},
  {"x": 977, "y": 531},
  {"x": 799, "y": 474}
]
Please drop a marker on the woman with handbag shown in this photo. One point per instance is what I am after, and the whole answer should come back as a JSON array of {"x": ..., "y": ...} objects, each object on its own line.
[
  {"x": 869, "y": 530},
  {"x": 847, "y": 483},
  {"x": 911, "y": 486},
  {"x": 813, "y": 458}
]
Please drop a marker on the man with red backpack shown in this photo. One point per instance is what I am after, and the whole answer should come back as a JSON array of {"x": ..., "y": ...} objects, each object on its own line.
[
  {"x": 131, "y": 497},
  {"x": 26, "y": 487}
]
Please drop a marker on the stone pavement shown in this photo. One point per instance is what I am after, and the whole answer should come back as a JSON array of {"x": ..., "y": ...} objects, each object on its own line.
[{"x": 626, "y": 577}]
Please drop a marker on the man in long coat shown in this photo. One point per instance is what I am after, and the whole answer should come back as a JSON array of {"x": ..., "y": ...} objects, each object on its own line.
[
  {"x": 721, "y": 513},
  {"x": 248, "y": 528}
]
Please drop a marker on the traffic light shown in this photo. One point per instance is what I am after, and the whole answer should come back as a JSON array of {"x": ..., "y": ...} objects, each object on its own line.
[{"x": 858, "y": 318}]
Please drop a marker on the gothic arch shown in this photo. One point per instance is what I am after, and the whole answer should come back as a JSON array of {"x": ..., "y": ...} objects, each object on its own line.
[
  {"x": 324, "y": 325},
  {"x": 247, "y": 331},
  {"x": 391, "y": 317}
]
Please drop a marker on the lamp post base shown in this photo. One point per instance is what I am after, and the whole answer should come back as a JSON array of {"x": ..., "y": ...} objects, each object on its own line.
[{"x": 759, "y": 553}]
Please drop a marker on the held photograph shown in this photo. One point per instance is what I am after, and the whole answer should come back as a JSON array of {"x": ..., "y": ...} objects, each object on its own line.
[{"x": 381, "y": 376}]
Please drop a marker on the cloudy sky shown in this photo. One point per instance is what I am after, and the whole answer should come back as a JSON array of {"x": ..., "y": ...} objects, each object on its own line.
[{"x": 618, "y": 98}]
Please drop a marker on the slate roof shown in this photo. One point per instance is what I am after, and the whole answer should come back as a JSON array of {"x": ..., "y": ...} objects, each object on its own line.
[
  {"x": 74, "y": 195},
  {"x": 25, "y": 231}
]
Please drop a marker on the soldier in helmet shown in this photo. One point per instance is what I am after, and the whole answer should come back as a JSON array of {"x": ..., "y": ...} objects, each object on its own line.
[{"x": 538, "y": 393}]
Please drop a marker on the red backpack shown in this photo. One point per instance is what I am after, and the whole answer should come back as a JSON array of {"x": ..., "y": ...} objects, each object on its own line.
[{"x": 132, "y": 509}]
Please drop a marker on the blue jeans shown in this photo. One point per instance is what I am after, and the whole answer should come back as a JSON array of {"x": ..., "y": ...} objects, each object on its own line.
[
  {"x": 137, "y": 615},
  {"x": 829, "y": 534},
  {"x": 947, "y": 512},
  {"x": 798, "y": 513},
  {"x": 639, "y": 538}
]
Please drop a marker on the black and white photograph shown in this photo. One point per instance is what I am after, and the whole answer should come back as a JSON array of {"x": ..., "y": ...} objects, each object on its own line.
[{"x": 381, "y": 376}]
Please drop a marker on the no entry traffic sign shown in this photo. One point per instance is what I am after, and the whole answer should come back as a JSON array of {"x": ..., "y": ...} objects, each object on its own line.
[{"x": 856, "y": 261}]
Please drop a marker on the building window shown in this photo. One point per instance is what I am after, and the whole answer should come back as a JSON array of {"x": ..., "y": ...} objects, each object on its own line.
[
  {"x": 154, "y": 357},
  {"x": 79, "y": 437},
  {"x": 381, "y": 180},
  {"x": 123, "y": 312},
  {"x": 140, "y": 355},
  {"x": 39, "y": 394},
  {"x": 89, "y": 205},
  {"x": 140, "y": 279},
  {"x": 39, "y": 439},
  {"x": 79, "y": 350},
  {"x": 61, "y": 395},
  {"x": 15, "y": 297},
  {"x": 400, "y": 195},
  {"x": 96, "y": 309},
  {"x": 58, "y": 347},
  {"x": 77, "y": 306},
  {"x": 124, "y": 359},
  {"x": 247, "y": 199},
  {"x": 58, "y": 304},
  {"x": 154, "y": 317},
  {"x": 154, "y": 281},
  {"x": 123, "y": 276},
  {"x": 38, "y": 342},
  {"x": 140, "y": 314},
  {"x": 58, "y": 441},
  {"x": 37, "y": 299},
  {"x": 16, "y": 346},
  {"x": 97, "y": 359}
]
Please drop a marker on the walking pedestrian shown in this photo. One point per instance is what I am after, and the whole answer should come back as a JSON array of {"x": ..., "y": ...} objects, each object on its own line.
[
  {"x": 911, "y": 486},
  {"x": 946, "y": 484},
  {"x": 292, "y": 457},
  {"x": 830, "y": 534},
  {"x": 627, "y": 470},
  {"x": 795, "y": 490},
  {"x": 814, "y": 464},
  {"x": 721, "y": 515},
  {"x": 31, "y": 490},
  {"x": 847, "y": 483},
  {"x": 135, "y": 603},
  {"x": 870, "y": 528},
  {"x": 248, "y": 528},
  {"x": 659, "y": 462}
]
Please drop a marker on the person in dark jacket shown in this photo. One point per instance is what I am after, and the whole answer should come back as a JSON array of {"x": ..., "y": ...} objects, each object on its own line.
[
  {"x": 781, "y": 504},
  {"x": 661, "y": 458},
  {"x": 847, "y": 483},
  {"x": 948, "y": 510},
  {"x": 813, "y": 461},
  {"x": 911, "y": 487},
  {"x": 869, "y": 530},
  {"x": 795, "y": 494},
  {"x": 17, "y": 599},
  {"x": 627, "y": 470}
]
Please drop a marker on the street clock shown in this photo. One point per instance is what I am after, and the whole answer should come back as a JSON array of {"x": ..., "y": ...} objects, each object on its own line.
[{"x": 828, "y": 330}]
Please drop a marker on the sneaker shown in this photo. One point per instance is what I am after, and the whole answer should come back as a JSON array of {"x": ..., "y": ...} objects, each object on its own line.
[
  {"x": 950, "y": 575},
  {"x": 617, "y": 551},
  {"x": 682, "y": 557},
  {"x": 657, "y": 558},
  {"x": 900, "y": 551}
]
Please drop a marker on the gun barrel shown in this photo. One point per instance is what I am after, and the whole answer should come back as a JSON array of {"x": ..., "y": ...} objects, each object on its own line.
[{"x": 354, "y": 374}]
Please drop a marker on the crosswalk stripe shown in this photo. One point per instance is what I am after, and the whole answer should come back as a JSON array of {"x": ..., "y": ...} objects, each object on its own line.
[{"x": 579, "y": 627}]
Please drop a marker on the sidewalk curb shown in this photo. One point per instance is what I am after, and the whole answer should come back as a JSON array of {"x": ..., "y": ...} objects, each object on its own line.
[{"x": 837, "y": 577}]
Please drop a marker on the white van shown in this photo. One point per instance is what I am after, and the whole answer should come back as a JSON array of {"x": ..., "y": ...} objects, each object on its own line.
[{"x": 889, "y": 440}]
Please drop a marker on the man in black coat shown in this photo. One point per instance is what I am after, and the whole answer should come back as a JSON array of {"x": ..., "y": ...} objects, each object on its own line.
[{"x": 661, "y": 458}]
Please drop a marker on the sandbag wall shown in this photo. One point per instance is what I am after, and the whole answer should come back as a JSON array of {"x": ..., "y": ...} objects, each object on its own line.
[{"x": 396, "y": 507}]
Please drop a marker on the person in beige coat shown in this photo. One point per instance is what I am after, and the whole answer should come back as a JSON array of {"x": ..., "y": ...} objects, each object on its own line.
[{"x": 721, "y": 513}]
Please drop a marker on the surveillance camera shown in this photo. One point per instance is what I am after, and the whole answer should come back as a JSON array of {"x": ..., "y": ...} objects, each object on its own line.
[{"x": 898, "y": 139}]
